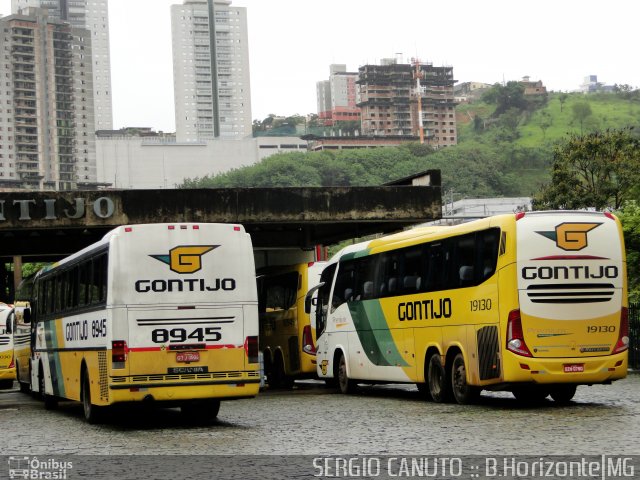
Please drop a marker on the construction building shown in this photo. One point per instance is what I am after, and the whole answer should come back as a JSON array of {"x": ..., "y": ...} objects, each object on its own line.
[
  {"x": 338, "y": 97},
  {"x": 92, "y": 16},
  {"x": 408, "y": 99},
  {"x": 46, "y": 104},
  {"x": 211, "y": 70}
]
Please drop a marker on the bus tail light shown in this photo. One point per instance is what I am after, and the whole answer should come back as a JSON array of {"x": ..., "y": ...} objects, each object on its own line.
[
  {"x": 307, "y": 341},
  {"x": 12, "y": 364},
  {"x": 623, "y": 337},
  {"x": 251, "y": 348},
  {"x": 515, "y": 336},
  {"x": 119, "y": 351}
]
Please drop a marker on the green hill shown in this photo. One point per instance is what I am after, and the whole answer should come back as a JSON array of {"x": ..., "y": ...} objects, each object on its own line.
[{"x": 497, "y": 155}]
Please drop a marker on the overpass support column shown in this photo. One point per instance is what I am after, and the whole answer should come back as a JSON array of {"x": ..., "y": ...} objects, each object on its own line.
[{"x": 17, "y": 272}]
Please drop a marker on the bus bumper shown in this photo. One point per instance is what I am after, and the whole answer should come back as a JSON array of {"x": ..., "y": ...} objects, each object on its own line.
[
  {"x": 578, "y": 370},
  {"x": 7, "y": 373},
  {"x": 165, "y": 393}
]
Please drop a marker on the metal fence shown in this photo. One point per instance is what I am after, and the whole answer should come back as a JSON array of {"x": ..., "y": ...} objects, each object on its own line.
[{"x": 634, "y": 336}]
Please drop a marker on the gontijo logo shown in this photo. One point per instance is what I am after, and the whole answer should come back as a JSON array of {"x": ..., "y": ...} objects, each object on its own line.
[
  {"x": 571, "y": 236},
  {"x": 185, "y": 259}
]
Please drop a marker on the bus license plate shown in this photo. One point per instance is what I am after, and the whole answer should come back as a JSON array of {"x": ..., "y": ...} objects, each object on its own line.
[
  {"x": 187, "y": 357},
  {"x": 574, "y": 368}
]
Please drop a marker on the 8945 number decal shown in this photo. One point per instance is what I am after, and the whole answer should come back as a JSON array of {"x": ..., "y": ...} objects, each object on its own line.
[{"x": 180, "y": 335}]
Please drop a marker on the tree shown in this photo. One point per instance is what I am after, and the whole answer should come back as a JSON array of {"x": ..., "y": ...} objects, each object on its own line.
[
  {"x": 562, "y": 98},
  {"x": 630, "y": 218},
  {"x": 581, "y": 111},
  {"x": 599, "y": 170},
  {"x": 545, "y": 122}
]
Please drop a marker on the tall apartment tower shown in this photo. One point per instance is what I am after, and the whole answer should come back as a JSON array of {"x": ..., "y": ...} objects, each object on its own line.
[
  {"x": 210, "y": 70},
  {"x": 93, "y": 16},
  {"x": 392, "y": 103},
  {"x": 46, "y": 109},
  {"x": 338, "y": 97}
]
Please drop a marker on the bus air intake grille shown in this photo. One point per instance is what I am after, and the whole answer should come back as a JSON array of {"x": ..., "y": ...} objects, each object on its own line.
[
  {"x": 104, "y": 376},
  {"x": 571, "y": 293},
  {"x": 488, "y": 352},
  {"x": 4, "y": 340},
  {"x": 184, "y": 377}
]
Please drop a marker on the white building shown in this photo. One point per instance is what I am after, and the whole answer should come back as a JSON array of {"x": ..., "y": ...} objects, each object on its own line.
[
  {"x": 210, "y": 70},
  {"x": 148, "y": 162},
  {"x": 93, "y": 16}
]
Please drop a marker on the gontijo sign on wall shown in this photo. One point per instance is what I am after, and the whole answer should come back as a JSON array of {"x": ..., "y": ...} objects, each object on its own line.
[{"x": 27, "y": 209}]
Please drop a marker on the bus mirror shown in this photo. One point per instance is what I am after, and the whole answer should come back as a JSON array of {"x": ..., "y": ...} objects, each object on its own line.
[
  {"x": 309, "y": 300},
  {"x": 8, "y": 326},
  {"x": 26, "y": 315}
]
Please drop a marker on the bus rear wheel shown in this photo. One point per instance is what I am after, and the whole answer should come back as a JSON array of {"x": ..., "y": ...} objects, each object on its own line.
[
  {"x": 92, "y": 413},
  {"x": 201, "y": 412},
  {"x": 530, "y": 394},
  {"x": 439, "y": 382},
  {"x": 563, "y": 394},
  {"x": 462, "y": 391},
  {"x": 344, "y": 382}
]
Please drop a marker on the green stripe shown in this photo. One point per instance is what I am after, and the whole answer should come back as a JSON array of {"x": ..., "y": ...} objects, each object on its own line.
[
  {"x": 55, "y": 367},
  {"x": 374, "y": 334}
]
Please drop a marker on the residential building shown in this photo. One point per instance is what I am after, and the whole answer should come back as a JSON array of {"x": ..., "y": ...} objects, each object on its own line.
[
  {"x": 533, "y": 87},
  {"x": 338, "y": 97},
  {"x": 93, "y": 16},
  {"x": 401, "y": 99},
  {"x": 46, "y": 108},
  {"x": 210, "y": 70}
]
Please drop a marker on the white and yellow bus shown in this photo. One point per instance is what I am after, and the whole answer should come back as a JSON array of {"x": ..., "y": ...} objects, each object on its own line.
[
  {"x": 287, "y": 333},
  {"x": 159, "y": 313},
  {"x": 7, "y": 362},
  {"x": 533, "y": 303}
]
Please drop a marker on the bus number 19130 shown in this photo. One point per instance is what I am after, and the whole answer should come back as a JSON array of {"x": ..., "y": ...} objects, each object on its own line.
[
  {"x": 480, "y": 304},
  {"x": 180, "y": 335}
]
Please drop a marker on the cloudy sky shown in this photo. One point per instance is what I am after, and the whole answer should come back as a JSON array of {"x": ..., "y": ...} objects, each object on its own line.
[{"x": 293, "y": 42}]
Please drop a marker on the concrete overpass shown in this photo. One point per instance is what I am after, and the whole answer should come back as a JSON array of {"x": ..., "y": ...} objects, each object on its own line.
[{"x": 45, "y": 226}]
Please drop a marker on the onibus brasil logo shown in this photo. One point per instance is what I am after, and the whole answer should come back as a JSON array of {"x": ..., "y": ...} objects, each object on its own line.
[
  {"x": 185, "y": 259},
  {"x": 571, "y": 236}
]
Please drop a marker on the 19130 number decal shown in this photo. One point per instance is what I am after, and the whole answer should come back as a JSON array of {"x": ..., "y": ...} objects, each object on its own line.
[
  {"x": 480, "y": 304},
  {"x": 180, "y": 335}
]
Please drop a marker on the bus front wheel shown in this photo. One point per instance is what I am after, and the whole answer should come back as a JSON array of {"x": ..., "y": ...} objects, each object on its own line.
[
  {"x": 344, "y": 382},
  {"x": 92, "y": 413},
  {"x": 25, "y": 387},
  {"x": 462, "y": 391},
  {"x": 439, "y": 383}
]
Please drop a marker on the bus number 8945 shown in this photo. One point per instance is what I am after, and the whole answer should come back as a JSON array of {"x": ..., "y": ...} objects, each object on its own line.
[{"x": 179, "y": 335}]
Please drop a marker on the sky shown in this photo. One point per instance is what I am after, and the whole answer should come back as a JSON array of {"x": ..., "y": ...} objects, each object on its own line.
[{"x": 293, "y": 42}]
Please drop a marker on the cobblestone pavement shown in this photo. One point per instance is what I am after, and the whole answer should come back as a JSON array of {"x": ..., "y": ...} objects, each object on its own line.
[{"x": 312, "y": 420}]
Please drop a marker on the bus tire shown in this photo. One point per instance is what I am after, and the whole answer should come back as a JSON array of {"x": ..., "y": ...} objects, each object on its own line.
[
  {"x": 200, "y": 412},
  {"x": 463, "y": 393},
  {"x": 530, "y": 394},
  {"x": 6, "y": 384},
  {"x": 280, "y": 378},
  {"x": 92, "y": 413},
  {"x": 50, "y": 401},
  {"x": 438, "y": 380},
  {"x": 25, "y": 387},
  {"x": 563, "y": 394},
  {"x": 345, "y": 384}
]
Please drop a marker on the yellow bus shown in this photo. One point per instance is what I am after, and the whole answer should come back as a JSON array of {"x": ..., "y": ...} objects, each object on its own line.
[
  {"x": 165, "y": 314},
  {"x": 21, "y": 331},
  {"x": 533, "y": 303},
  {"x": 7, "y": 362},
  {"x": 287, "y": 333}
]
